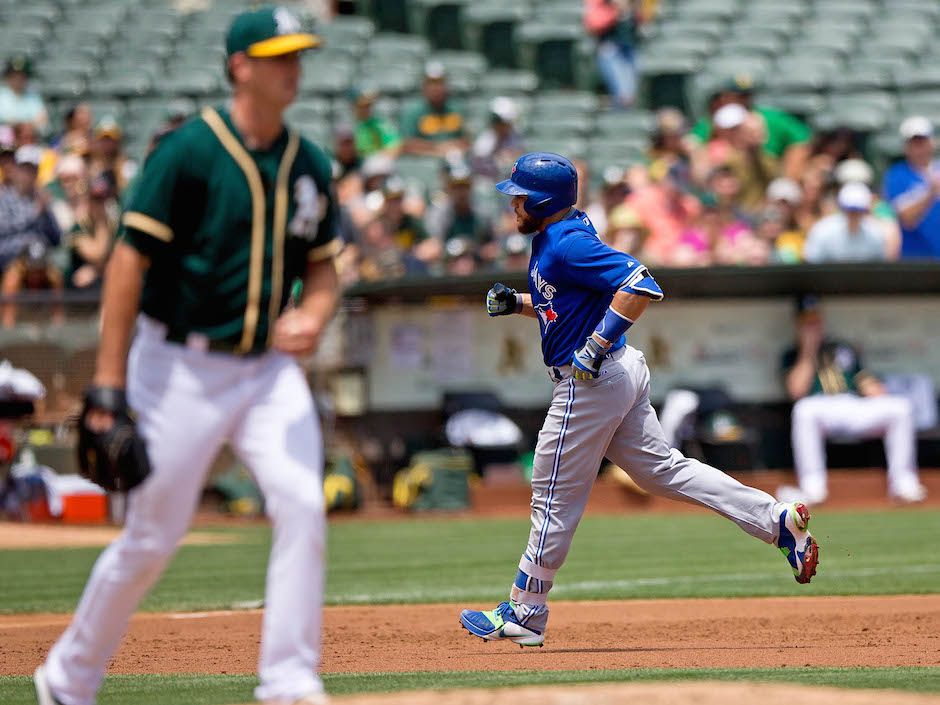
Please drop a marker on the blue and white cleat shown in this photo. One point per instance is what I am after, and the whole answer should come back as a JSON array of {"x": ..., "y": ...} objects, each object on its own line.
[
  {"x": 796, "y": 543},
  {"x": 500, "y": 623}
]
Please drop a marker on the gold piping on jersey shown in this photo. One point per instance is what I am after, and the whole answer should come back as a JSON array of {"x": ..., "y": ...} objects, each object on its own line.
[
  {"x": 146, "y": 224},
  {"x": 325, "y": 251},
  {"x": 280, "y": 229},
  {"x": 256, "y": 264}
]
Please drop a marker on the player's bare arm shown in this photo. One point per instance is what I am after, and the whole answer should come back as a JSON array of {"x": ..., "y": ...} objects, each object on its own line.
[
  {"x": 297, "y": 331},
  {"x": 120, "y": 302}
]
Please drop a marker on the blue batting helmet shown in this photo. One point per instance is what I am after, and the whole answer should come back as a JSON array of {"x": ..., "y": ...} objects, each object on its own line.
[{"x": 549, "y": 181}]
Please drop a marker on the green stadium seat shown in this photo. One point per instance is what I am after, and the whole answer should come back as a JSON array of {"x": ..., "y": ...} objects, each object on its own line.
[
  {"x": 66, "y": 88},
  {"x": 630, "y": 125},
  {"x": 909, "y": 44},
  {"x": 105, "y": 107},
  {"x": 687, "y": 46},
  {"x": 546, "y": 125},
  {"x": 347, "y": 34},
  {"x": 152, "y": 112},
  {"x": 704, "y": 9},
  {"x": 830, "y": 10},
  {"x": 571, "y": 147},
  {"x": 766, "y": 45},
  {"x": 666, "y": 81},
  {"x": 723, "y": 66},
  {"x": 775, "y": 13},
  {"x": 309, "y": 109},
  {"x": 424, "y": 172},
  {"x": 803, "y": 105},
  {"x": 925, "y": 102},
  {"x": 438, "y": 20},
  {"x": 563, "y": 14},
  {"x": 490, "y": 29},
  {"x": 840, "y": 45},
  {"x": 618, "y": 151},
  {"x": 457, "y": 61},
  {"x": 387, "y": 45},
  {"x": 31, "y": 15},
  {"x": 509, "y": 82},
  {"x": 126, "y": 85},
  {"x": 194, "y": 84},
  {"x": 863, "y": 112},
  {"x": 713, "y": 30},
  {"x": 20, "y": 46},
  {"x": 855, "y": 79},
  {"x": 550, "y": 53},
  {"x": 393, "y": 81},
  {"x": 885, "y": 148},
  {"x": 389, "y": 15},
  {"x": 565, "y": 103},
  {"x": 319, "y": 131}
]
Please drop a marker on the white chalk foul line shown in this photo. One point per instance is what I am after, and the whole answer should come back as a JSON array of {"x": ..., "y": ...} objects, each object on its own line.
[{"x": 579, "y": 587}]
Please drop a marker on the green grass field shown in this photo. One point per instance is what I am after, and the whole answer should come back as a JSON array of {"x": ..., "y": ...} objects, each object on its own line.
[{"x": 423, "y": 560}]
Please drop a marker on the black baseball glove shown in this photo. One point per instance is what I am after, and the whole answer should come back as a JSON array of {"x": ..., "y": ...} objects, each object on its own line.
[{"x": 115, "y": 459}]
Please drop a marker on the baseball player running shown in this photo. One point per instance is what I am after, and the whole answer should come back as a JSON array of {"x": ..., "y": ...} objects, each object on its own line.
[
  {"x": 585, "y": 297},
  {"x": 231, "y": 209}
]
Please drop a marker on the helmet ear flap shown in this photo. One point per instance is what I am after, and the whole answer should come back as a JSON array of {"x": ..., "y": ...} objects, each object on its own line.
[{"x": 539, "y": 205}]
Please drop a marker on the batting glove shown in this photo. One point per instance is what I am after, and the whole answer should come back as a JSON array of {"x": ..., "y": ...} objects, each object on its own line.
[
  {"x": 502, "y": 301},
  {"x": 586, "y": 363}
]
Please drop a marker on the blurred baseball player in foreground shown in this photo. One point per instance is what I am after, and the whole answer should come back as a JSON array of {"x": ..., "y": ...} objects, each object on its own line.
[
  {"x": 231, "y": 209},
  {"x": 585, "y": 297}
]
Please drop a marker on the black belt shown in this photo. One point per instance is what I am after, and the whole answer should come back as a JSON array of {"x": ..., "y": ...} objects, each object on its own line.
[{"x": 199, "y": 341}]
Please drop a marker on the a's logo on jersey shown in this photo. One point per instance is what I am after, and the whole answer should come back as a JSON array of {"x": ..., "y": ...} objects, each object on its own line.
[
  {"x": 310, "y": 209},
  {"x": 285, "y": 21},
  {"x": 544, "y": 288},
  {"x": 546, "y": 313}
]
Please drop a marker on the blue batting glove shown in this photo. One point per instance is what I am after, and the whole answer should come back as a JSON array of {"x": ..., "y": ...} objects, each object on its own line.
[{"x": 586, "y": 363}]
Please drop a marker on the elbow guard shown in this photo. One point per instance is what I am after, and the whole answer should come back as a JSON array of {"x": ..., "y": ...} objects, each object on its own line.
[{"x": 641, "y": 283}]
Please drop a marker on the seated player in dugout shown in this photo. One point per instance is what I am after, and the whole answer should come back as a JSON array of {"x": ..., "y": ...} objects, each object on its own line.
[
  {"x": 834, "y": 395},
  {"x": 585, "y": 297}
]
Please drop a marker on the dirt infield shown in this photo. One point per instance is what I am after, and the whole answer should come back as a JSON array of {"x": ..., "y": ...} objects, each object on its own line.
[{"x": 732, "y": 633}]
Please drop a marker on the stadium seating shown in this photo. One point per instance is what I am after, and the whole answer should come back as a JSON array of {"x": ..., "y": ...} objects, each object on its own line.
[{"x": 857, "y": 61}]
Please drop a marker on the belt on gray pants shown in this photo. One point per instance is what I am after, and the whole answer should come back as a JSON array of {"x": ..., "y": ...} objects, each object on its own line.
[{"x": 563, "y": 372}]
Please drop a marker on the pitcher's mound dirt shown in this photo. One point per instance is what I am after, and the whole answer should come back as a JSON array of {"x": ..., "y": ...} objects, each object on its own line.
[
  {"x": 728, "y": 633},
  {"x": 704, "y": 693}
]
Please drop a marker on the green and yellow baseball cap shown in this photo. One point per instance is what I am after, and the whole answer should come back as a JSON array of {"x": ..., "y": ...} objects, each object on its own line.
[{"x": 269, "y": 31}]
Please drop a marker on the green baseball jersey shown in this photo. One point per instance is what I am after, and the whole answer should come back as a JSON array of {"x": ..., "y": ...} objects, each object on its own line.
[
  {"x": 375, "y": 134},
  {"x": 228, "y": 229},
  {"x": 420, "y": 119}
]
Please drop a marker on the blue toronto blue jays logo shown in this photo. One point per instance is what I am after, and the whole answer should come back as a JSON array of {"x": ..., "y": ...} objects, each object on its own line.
[{"x": 546, "y": 313}]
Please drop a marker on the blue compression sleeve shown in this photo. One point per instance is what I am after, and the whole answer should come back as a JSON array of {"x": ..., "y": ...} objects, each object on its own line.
[{"x": 612, "y": 326}]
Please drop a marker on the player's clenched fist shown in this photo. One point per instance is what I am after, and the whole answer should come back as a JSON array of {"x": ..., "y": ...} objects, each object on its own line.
[
  {"x": 501, "y": 300},
  {"x": 586, "y": 363}
]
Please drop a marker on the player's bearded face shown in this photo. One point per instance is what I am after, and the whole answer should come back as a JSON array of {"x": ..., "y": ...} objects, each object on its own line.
[{"x": 525, "y": 223}]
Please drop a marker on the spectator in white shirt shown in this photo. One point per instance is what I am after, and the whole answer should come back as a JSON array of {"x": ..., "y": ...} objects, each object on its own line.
[
  {"x": 18, "y": 102},
  {"x": 851, "y": 235}
]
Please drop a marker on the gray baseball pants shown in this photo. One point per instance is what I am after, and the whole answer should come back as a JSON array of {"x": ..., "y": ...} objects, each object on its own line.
[{"x": 612, "y": 416}]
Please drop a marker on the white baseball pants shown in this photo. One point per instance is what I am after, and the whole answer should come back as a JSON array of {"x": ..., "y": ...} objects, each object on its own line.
[
  {"x": 612, "y": 416},
  {"x": 821, "y": 416},
  {"x": 189, "y": 402}
]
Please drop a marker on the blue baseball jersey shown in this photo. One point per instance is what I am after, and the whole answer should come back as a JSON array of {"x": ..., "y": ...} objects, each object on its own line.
[{"x": 573, "y": 277}]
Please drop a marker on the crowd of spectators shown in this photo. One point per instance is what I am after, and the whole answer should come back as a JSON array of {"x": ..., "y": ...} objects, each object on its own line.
[{"x": 745, "y": 185}]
